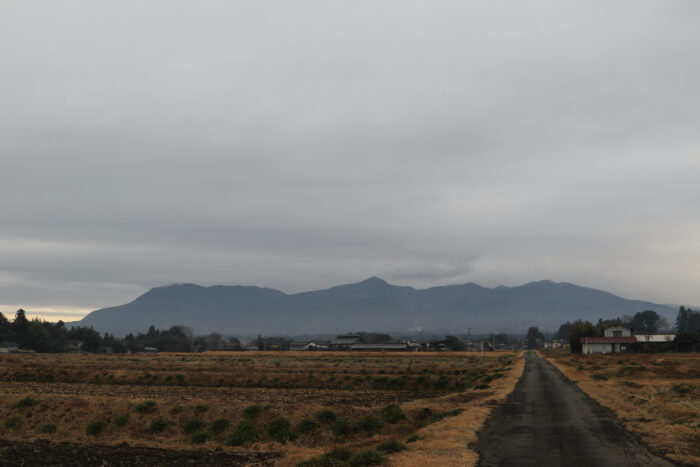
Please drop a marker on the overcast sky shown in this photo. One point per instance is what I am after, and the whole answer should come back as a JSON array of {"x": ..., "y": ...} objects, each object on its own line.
[{"x": 300, "y": 145}]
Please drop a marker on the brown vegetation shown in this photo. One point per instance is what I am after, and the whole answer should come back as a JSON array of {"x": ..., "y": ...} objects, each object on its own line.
[
  {"x": 253, "y": 402},
  {"x": 657, "y": 396}
]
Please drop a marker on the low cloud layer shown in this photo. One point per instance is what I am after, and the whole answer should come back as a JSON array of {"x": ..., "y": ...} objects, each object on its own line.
[{"x": 301, "y": 145}]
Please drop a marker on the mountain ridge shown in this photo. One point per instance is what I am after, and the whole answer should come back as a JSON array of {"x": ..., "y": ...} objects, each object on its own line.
[{"x": 372, "y": 304}]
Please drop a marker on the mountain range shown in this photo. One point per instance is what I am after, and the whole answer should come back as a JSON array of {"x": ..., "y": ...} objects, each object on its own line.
[{"x": 370, "y": 305}]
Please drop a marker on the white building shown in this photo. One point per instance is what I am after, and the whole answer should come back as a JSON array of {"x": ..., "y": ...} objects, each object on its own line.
[{"x": 615, "y": 339}]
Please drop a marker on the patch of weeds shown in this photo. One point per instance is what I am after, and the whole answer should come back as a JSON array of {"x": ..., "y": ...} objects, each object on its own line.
[
  {"x": 482, "y": 386},
  {"x": 368, "y": 457},
  {"x": 193, "y": 425},
  {"x": 13, "y": 423},
  {"x": 146, "y": 407},
  {"x": 219, "y": 426},
  {"x": 326, "y": 416},
  {"x": 307, "y": 425},
  {"x": 341, "y": 427},
  {"x": 199, "y": 438},
  {"x": 336, "y": 457},
  {"x": 682, "y": 388},
  {"x": 412, "y": 439},
  {"x": 369, "y": 424},
  {"x": 26, "y": 402},
  {"x": 199, "y": 409},
  {"x": 121, "y": 420},
  {"x": 47, "y": 429},
  {"x": 391, "y": 446},
  {"x": 94, "y": 428},
  {"x": 158, "y": 426},
  {"x": 243, "y": 434},
  {"x": 392, "y": 413},
  {"x": 176, "y": 409},
  {"x": 631, "y": 384},
  {"x": 441, "y": 415},
  {"x": 599, "y": 377},
  {"x": 280, "y": 429},
  {"x": 253, "y": 411}
]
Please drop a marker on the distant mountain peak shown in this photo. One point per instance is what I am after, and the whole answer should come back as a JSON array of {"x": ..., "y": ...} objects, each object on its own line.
[{"x": 374, "y": 280}]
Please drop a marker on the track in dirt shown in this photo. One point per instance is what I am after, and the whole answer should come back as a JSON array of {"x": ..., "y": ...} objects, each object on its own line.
[{"x": 547, "y": 420}]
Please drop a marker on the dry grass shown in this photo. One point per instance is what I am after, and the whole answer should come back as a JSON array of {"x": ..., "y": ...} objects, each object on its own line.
[
  {"x": 657, "y": 396},
  {"x": 72, "y": 391},
  {"x": 450, "y": 441}
]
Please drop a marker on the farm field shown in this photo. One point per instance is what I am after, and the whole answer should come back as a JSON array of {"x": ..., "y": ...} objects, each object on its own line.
[
  {"x": 656, "y": 396},
  {"x": 255, "y": 408}
]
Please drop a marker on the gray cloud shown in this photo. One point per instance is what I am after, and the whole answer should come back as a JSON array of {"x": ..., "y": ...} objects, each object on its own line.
[{"x": 302, "y": 145}]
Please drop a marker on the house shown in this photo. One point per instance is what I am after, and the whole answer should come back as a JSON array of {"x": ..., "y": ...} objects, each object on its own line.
[
  {"x": 74, "y": 346},
  {"x": 386, "y": 347},
  {"x": 306, "y": 345},
  {"x": 344, "y": 342},
  {"x": 9, "y": 347},
  {"x": 615, "y": 339}
]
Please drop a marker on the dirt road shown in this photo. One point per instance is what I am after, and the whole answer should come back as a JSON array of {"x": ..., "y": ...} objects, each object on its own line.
[{"x": 547, "y": 420}]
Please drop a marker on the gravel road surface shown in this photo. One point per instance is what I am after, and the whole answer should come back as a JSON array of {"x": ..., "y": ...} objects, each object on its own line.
[{"x": 547, "y": 420}]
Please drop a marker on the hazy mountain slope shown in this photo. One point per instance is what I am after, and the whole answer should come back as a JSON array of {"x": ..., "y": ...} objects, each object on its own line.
[{"x": 371, "y": 305}]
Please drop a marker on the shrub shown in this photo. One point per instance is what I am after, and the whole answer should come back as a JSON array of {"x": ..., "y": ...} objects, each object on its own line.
[
  {"x": 482, "y": 386},
  {"x": 13, "y": 423},
  {"x": 26, "y": 402},
  {"x": 682, "y": 388},
  {"x": 121, "y": 420},
  {"x": 95, "y": 428},
  {"x": 48, "y": 428},
  {"x": 280, "y": 430},
  {"x": 341, "y": 427},
  {"x": 326, "y": 416},
  {"x": 176, "y": 409},
  {"x": 245, "y": 433},
  {"x": 199, "y": 409},
  {"x": 252, "y": 411},
  {"x": 193, "y": 425},
  {"x": 336, "y": 457},
  {"x": 219, "y": 425},
  {"x": 369, "y": 424},
  {"x": 307, "y": 425},
  {"x": 158, "y": 426},
  {"x": 392, "y": 446},
  {"x": 439, "y": 416},
  {"x": 412, "y": 439},
  {"x": 199, "y": 438},
  {"x": 392, "y": 413},
  {"x": 146, "y": 407},
  {"x": 369, "y": 457},
  {"x": 599, "y": 377}
]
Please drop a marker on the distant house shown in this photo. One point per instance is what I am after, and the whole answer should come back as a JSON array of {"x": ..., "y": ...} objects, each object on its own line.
[
  {"x": 307, "y": 346},
  {"x": 344, "y": 342},
  {"x": 386, "y": 347},
  {"x": 150, "y": 349},
  {"x": 615, "y": 339},
  {"x": 9, "y": 347},
  {"x": 74, "y": 346}
]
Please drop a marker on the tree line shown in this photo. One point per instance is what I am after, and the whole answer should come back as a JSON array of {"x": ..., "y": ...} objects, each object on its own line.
[{"x": 46, "y": 337}]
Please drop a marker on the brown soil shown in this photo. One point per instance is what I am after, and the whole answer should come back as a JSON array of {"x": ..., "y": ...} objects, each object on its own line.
[{"x": 22, "y": 453}]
